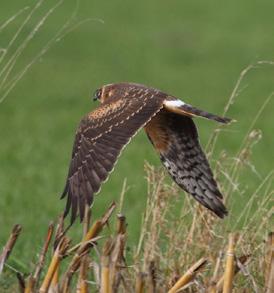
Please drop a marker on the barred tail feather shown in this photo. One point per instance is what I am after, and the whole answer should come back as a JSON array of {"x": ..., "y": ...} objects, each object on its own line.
[
  {"x": 181, "y": 108},
  {"x": 196, "y": 112}
]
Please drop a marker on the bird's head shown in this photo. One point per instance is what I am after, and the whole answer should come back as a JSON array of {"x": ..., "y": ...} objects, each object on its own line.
[
  {"x": 106, "y": 92},
  {"x": 113, "y": 90}
]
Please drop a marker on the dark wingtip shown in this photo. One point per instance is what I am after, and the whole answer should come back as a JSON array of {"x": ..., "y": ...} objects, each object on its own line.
[
  {"x": 226, "y": 120},
  {"x": 65, "y": 191},
  {"x": 72, "y": 219},
  {"x": 222, "y": 214},
  {"x": 193, "y": 111},
  {"x": 220, "y": 210},
  {"x": 70, "y": 205},
  {"x": 74, "y": 207},
  {"x": 220, "y": 119}
]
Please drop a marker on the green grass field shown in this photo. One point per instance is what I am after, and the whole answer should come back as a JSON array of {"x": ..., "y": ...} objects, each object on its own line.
[{"x": 194, "y": 50}]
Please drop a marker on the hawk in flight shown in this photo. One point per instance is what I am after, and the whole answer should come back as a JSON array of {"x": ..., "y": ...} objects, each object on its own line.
[{"x": 124, "y": 109}]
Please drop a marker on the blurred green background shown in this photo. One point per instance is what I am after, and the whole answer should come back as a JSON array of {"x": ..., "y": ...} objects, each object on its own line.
[{"x": 192, "y": 49}]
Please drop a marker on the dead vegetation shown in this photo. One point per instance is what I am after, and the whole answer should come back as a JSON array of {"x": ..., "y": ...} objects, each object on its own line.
[{"x": 179, "y": 250}]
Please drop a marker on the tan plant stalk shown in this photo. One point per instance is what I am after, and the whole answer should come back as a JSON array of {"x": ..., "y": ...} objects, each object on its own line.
[
  {"x": 140, "y": 283},
  {"x": 105, "y": 286},
  {"x": 57, "y": 257},
  {"x": 84, "y": 247},
  {"x": 16, "y": 230},
  {"x": 270, "y": 265},
  {"x": 219, "y": 286},
  {"x": 117, "y": 254},
  {"x": 59, "y": 233},
  {"x": 230, "y": 264},
  {"x": 34, "y": 278},
  {"x": 189, "y": 275},
  {"x": 82, "y": 285},
  {"x": 73, "y": 267},
  {"x": 92, "y": 233},
  {"x": 213, "y": 280},
  {"x": 54, "y": 285},
  {"x": 151, "y": 280},
  {"x": 30, "y": 284}
]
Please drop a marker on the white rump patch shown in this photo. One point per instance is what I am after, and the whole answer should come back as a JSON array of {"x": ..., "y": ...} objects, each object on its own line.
[{"x": 174, "y": 103}]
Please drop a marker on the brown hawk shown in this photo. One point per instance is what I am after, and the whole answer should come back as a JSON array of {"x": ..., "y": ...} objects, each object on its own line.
[{"x": 103, "y": 133}]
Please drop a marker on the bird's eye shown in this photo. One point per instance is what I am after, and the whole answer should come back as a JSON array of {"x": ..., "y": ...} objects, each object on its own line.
[{"x": 97, "y": 95}]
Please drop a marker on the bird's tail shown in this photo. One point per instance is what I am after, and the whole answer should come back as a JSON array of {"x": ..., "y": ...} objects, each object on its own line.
[{"x": 179, "y": 107}]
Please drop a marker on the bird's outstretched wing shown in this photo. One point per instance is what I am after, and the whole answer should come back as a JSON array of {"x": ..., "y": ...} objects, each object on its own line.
[
  {"x": 175, "y": 137},
  {"x": 101, "y": 136}
]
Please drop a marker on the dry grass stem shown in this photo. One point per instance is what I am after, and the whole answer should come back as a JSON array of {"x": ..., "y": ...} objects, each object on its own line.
[
  {"x": 10, "y": 57},
  {"x": 220, "y": 284},
  {"x": 16, "y": 230},
  {"x": 105, "y": 270},
  {"x": 175, "y": 232},
  {"x": 43, "y": 253},
  {"x": 57, "y": 256},
  {"x": 54, "y": 285},
  {"x": 140, "y": 283},
  {"x": 82, "y": 286},
  {"x": 230, "y": 264},
  {"x": 84, "y": 247},
  {"x": 117, "y": 259},
  {"x": 30, "y": 285},
  {"x": 151, "y": 278},
  {"x": 189, "y": 275},
  {"x": 270, "y": 265}
]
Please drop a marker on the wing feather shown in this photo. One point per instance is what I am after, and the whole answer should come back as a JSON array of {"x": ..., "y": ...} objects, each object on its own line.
[
  {"x": 184, "y": 158},
  {"x": 99, "y": 140}
]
